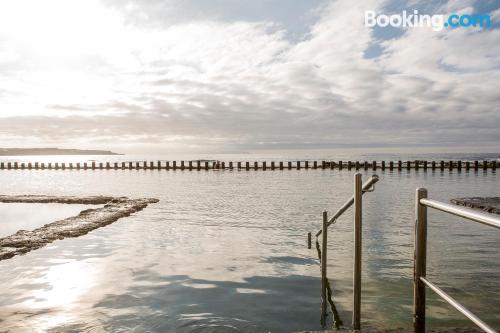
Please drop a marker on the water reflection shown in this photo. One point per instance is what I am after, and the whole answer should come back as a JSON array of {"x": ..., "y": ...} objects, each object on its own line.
[{"x": 24, "y": 216}]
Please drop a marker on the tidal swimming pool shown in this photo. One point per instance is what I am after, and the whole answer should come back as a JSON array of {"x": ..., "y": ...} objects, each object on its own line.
[{"x": 227, "y": 251}]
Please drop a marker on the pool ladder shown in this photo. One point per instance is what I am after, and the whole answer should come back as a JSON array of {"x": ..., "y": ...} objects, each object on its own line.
[{"x": 356, "y": 200}]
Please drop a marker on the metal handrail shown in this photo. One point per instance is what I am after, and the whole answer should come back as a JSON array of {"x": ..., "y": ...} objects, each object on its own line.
[
  {"x": 458, "y": 306},
  {"x": 368, "y": 186},
  {"x": 420, "y": 254},
  {"x": 467, "y": 213},
  {"x": 356, "y": 200}
]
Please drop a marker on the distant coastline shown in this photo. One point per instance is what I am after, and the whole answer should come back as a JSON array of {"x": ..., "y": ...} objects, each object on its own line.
[{"x": 52, "y": 151}]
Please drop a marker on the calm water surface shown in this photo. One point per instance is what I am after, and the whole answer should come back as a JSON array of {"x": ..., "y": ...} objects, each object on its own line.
[
  {"x": 17, "y": 216},
  {"x": 226, "y": 251}
]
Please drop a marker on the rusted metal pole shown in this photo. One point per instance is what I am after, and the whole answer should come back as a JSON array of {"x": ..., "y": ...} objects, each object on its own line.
[
  {"x": 419, "y": 263},
  {"x": 358, "y": 195}
]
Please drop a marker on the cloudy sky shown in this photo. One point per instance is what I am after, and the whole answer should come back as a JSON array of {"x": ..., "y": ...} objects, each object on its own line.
[{"x": 201, "y": 75}]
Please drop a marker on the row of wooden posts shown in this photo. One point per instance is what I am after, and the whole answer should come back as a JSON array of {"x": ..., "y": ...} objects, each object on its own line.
[{"x": 218, "y": 165}]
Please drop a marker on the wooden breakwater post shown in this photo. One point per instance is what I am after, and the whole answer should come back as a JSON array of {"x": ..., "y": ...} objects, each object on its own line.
[{"x": 256, "y": 165}]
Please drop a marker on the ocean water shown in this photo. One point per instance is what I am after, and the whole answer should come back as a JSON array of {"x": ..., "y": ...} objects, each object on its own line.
[{"x": 226, "y": 251}]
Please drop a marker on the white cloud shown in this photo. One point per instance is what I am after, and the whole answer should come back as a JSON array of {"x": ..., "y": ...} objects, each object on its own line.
[{"x": 88, "y": 70}]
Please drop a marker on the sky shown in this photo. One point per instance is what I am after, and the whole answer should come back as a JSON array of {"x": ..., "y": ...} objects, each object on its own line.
[{"x": 140, "y": 76}]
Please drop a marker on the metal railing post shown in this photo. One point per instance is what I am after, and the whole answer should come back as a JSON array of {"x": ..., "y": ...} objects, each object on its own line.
[
  {"x": 419, "y": 263},
  {"x": 358, "y": 194},
  {"x": 324, "y": 301}
]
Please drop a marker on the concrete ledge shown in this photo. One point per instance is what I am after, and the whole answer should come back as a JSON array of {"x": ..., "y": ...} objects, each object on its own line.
[
  {"x": 487, "y": 204},
  {"x": 24, "y": 241}
]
